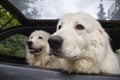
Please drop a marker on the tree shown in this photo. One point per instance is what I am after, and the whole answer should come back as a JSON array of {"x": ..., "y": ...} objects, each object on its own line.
[
  {"x": 5, "y": 16},
  {"x": 14, "y": 45},
  {"x": 25, "y": 7},
  {"x": 101, "y": 13}
]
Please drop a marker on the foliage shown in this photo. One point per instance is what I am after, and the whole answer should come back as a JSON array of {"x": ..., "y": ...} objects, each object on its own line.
[
  {"x": 118, "y": 51},
  {"x": 14, "y": 45},
  {"x": 25, "y": 7},
  {"x": 5, "y": 16}
]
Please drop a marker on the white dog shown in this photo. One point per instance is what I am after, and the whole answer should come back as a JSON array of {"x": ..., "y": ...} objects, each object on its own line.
[
  {"x": 83, "y": 42},
  {"x": 37, "y": 51}
]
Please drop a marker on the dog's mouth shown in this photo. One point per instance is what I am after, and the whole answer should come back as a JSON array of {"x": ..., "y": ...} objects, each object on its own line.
[
  {"x": 56, "y": 53},
  {"x": 35, "y": 50},
  {"x": 60, "y": 54}
]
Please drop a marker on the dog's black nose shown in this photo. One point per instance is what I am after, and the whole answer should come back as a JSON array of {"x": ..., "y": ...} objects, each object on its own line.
[
  {"x": 29, "y": 43},
  {"x": 55, "y": 42}
]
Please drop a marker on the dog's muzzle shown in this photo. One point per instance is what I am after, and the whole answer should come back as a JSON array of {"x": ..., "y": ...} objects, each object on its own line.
[
  {"x": 55, "y": 43},
  {"x": 29, "y": 43},
  {"x": 33, "y": 50}
]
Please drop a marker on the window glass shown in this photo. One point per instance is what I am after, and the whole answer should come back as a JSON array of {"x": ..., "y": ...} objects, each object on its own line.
[
  {"x": 6, "y": 19},
  {"x": 54, "y": 9},
  {"x": 14, "y": 46}
]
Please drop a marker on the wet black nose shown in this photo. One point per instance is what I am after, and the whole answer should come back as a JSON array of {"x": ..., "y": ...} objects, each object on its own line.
[
  {"x": 29, "y": 43},
  {"x": 55, "y": 42}
]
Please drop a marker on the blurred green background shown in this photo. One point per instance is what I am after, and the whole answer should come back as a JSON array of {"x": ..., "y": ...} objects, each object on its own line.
[{"x": 14, "y": 45}]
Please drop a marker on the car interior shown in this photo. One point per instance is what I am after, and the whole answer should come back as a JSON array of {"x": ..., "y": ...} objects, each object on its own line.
[{"x": 16, "y": 67}]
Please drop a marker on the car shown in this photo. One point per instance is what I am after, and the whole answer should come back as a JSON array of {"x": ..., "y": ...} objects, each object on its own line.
[{"x": 16, "y": 68}]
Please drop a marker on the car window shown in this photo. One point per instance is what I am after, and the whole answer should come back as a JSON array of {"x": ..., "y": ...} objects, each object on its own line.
[
  {"x": 52, "y": 9},
  {"x": 14, "y": 45}
]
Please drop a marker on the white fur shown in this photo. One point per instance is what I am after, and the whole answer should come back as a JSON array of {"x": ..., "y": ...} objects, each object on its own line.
[
  {"x": 41, "y": 59},
  {"x": 86, "y": 50}
]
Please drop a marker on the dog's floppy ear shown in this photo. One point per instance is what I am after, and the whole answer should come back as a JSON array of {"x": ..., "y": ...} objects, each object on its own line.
[
  {"x": 104, "y": 33},
  {"x": 100, "y": 30}
]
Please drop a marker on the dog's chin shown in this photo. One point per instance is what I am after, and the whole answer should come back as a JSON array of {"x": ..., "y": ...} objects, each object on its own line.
[
  {"x": 60, "y": 54},
  {"x": 35, "y": 51},
  {"x": 56, "y": 53}
]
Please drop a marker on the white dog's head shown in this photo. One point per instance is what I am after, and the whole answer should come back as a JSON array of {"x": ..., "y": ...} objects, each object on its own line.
[
  {"x": 37, "y": 42},
  {"x": 77, "y": 34}
]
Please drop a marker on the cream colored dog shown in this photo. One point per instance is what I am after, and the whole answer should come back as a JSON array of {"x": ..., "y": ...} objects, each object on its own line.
[
  {"x": 37, "y": 51},
  {"x": 83, "y": 42}
]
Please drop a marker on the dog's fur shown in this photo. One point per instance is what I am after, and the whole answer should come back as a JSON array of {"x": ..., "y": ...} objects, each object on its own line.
[
  {"x": 87, "y": 48},
  {"x": 37, "y": 53}
]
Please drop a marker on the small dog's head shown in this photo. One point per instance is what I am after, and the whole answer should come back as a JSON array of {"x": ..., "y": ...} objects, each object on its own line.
[{"x": 37, "y": 42}]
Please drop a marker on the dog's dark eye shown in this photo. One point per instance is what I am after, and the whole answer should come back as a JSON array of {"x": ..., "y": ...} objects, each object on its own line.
[
  {"x": 40, "y": 37},
  {"x": 79, "y": 27},
  {"x": 60, "y": 26},
  {"x": 31, "y": 37}
]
